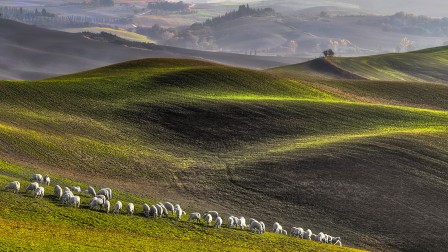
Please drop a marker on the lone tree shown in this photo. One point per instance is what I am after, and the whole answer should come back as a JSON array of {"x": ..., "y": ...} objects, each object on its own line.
[{"x": 328, "y": 53}]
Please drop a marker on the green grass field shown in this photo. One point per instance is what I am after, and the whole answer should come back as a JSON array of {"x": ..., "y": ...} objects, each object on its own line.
[{"x": 210, "y": 136}]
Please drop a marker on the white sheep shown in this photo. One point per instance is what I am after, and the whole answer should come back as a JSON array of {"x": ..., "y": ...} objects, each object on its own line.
[
  {"x": 334, "y": 240},
  {"x": 66, "y": 196},
  {"x": 117, "y": 207},
  {"x": 130, "y": 209},
  {"x": 256, "y": 226},
  {"x": 251, "y": 220},
  {"x": 314, "y": 237},
  {"x": 164, "y": 211},
  {"x": 91, "y": 191},
  {"x": 242, "y": 223},
  {"x": 297, "y": 232},
  {"x": 236, "y": 220},
  {"x": 75, "y": 189},
  {"x": 169, "y": 207},
  {"x": 36, "y": 178},
  {"x": 338, "y": 243},
  {"x": 39, "y": 192},
  {"x": 107, "y": 206},
  {"x": 284, "y": 232},
  {"x": 263, "y": 226},
  {"x": 159, "y": 210},
  {"x": 307, "y": 234},
  {"x": 214, "y": 214},
  {"x": 230, "y": 222},
  {"x": 277, "y": 228},
  {"x": 321, "y": 237},
  {"x": 146, "y": 209},
  {"x": 46, "y": 180},
  {"x": 14, "y": 186},
  {"x": 96, "y": 203},
  {"x": 107, "y": 192},
  {"x": 31, "y": 187},
  {"x": 179, "y": 212},
  {"x": 194, "y": 216},
  {"x": 153, "y": 211},
  {"x": 58, "y": 192},
  {"x": 208, "y": 219},
  {"x": 218, "y": 223},
  {"x": 103, "y": 199},
  {"x": 75, "y": 200}
]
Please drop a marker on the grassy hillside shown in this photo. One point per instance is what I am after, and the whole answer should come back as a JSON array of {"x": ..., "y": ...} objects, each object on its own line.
[
  {"x": 238, "y": 141},
  {"x": 420, "y": 66}
]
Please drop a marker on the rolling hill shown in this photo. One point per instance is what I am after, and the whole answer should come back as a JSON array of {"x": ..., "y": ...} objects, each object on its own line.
[
  {"x": 428, "y": 65},
  {"x": 238, "y": 141},
  {"x": 30, "y": 52}
]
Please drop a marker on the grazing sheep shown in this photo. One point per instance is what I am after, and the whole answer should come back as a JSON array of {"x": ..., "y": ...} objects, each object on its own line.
[
  {"x": 164, "y": 211},
  {"x": 146, "y": 210},
  {"x": 263, "y": 226},
  {"x": 39, "y": 192},
  {"x": 75, "y": 200},
  {"x": 214, "y": 214},
  {"x": 91, "y": 191},
  {"x": 103, "y": 199},
  {"x": 153, "y": 211},
  {"x": 208, "y": 219},
  {"x": 284, "y": 232},
  {"x": 251, "y": 220},
  {"x": 14, "y": 186},
  {"x": 236, "y": 220},
  {"x": 36, "y": 178},
  {"x": 96, "y": 203},
  {"x": 46, "y": 180},
  {"x": 321, "y": 237},
  {"x": 107, "y": 206},
  {"x": 66, "y": 189},
  {"x": 58, "y": 192},
  {"x": 130, "y": 209},
  {"x": 195, "y": 216},
  {"x": 107, "y": 192},
  {"x": 75, "y": 189},
  {"x": 31, "y": 187},
  {"x": 314, "y": 237},
  {"x": 159, "y": 210},
  {"x": 66, "y": 196},
  {"x": 242, "y": 223},
  {"x": 218, "y": 223},
  {"x": 297, "y": 232},
  {"x": 117, "y": 207},
  {"x": 277, "y": 228},
  {"x": 334, "y": 240},
  {"x": 170, "y": 207},
  {"x": 338, "y": 243},
  {"x": 307, "y": 234},
  {"x": 179, "y": 213},
  {"x": 256, "y": 226},
  {"x": 231, "y": 222}
]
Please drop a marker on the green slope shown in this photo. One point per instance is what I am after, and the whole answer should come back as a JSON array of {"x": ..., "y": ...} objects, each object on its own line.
[
  {"x": 211, "y": 136},
  {"x": 420, "y": 66}
]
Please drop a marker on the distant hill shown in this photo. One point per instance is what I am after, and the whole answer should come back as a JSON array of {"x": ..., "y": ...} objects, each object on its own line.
[
  {"x": 30, "y": 52},
  {"x": 430, "y": 65}
]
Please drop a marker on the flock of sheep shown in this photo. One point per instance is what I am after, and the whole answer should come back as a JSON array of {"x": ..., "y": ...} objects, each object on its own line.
[{"x": 100, "y": 200}]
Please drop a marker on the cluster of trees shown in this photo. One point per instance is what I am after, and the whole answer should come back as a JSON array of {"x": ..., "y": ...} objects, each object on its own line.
[
  {"x": 100, "y": 3},
  {"x": 169, "y": 6},
  {"x": 21, "y": 13},
  {"x": 243, "y": 11},
  {"x": 49, "y": 20},
  {"x": 418, "y": 25}
]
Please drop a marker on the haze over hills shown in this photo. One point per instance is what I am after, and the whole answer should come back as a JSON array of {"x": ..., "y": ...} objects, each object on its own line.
[{"x": 29, "y": 52}]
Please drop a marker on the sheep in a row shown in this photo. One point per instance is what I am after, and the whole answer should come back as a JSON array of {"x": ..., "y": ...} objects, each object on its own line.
[
  {"x": 320, "y": 237},
  {"x": 257, "y": 226},
  {"x": 14, "y": 186}
]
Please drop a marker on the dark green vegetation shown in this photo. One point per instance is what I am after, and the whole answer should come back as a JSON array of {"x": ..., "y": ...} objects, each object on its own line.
[
  {"x": 428, "y": 65},
  {"x": 241, "y": 142}
]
